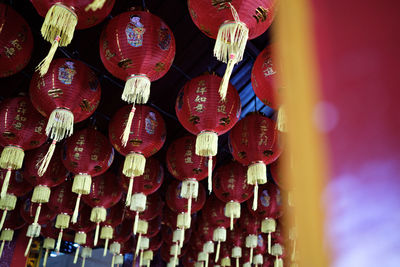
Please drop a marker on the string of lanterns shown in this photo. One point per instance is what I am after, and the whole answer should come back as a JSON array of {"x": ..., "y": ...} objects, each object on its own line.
[{"x": 237, "y": 222}]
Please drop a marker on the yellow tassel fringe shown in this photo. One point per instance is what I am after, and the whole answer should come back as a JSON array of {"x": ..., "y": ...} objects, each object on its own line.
[
  {"x": 134, "y": 165},
  {"x": 96, "y": 4},
  {"x": 232, "y": 211}
]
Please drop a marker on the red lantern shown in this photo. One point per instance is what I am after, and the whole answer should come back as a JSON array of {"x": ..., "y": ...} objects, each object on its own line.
[
  {"x": 260, "y": 250},
  {"x": 61, "y": 18},
  {"x": 16, "y": 42},
  {"x": 231, "y": 187},
  {"x": 138, "y": 47},
  {"x": 13, "y": 221},
  {"x": 17, "y": 187},
  {"x": 146, "y": 137},
  {"x": 87, "y": 248},
  {"x": 252, "y": 140},
  {"x": 82, "y": 227},
  {"x": 202, "y": 112},
  {"x": 246, "y": 260},
  {"x": 69, "y": 93},
  {"x": 167, "y": 254},
  {"x": 251, "y": 227},
  {"x": 173, "y": 239},
  {"x": 264, "y": 79},
  {"x": 185, "y": 165},
  {"x": 269, "y": 209},
  {"x": 62, "y": 201},
  {"x": 225, "y": 255},
  {"x": 55, "y": 176},
  {"x": 236, "y": 239},
  {"x": 214, "y": 213},
  {"x": 87, "y": 153},
  {"x": 105, "y": 193},
  {"x": 206, "y": 231},
  {"x": 21, "y": 129},
  {"x": 28, "y": 211},
  {"x": 190, "y": 258},
  {"x": 154, "y": 227},
  {"x": 154, "y": 245},
  {"x": 231, "y": 23},
  {"x": 50, "y": 234},
  {"x": 122, "y": 234}
]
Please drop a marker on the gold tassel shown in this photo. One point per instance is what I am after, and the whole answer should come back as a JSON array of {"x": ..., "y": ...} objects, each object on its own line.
[
  {"x": 11, "y": 159},
  {"x": 138, "y": 244},
  {"x": 137, "y": 89},
  {"x": 189, "y": 190},
  {"x": 219, "y": 235},
  {"x": 237, "y": 262},
  {"x": 207, "y": 256},
  {"x": 96, "y": 4},
  {"x": 37, "y": 214},
  {"x": 2, "y": 247},
  {"x": 96, "y": 235},
  {"x": 229, "y": 46},
  {"x": 7, "y": 203},
  {"x": 76, "y": 255},
  {"x": 217, "y": 253},
  {"x": 6, "y": 235},
  {"x": 76, "y": 209},
  {"x": 59, "y": 240},
  {"x": 6, "y": 182},
  {"x": 207, "y": 144},
  {"x": 80, "y": 238},
  {"x": 255, "y": 196},
  {"x": 135, "y": 224},
  {"x": 257, "y": 173},
  {"x": 281, "y": 120},
  {"x": 268, "y": 225},
  {"x": 210, "y": 163},
  {"x": 41, "y": 194},
  {"x": 134, "y": 165},
  {"x": 107, "y": 234},
  {"x": 60, "y": 124},
  {"x": 49, "y": 243},
  {"x": 251, "y": 242},
  {"x": 45, "y": 161},
  {"x": 182, "y": 239},
  {"x": 113, "y": 260},
  {"x": 119, "y": 260},
  {"x": 83, "y": 262},
  {"x": 251, "y": 255},
  {"x": 44, "y": 65},
  {"x": 81, "y": 186},
  {"x": 46, "y": 255},
  {"x": 141, "y": 258},
  {"x": 232, "y": 211},
  {"x": 62, "y": 221},
  {"x": 33, "y": 231},
  {"x": 127, "y": 130},
  {"x": 105, "y": 247},
  {"x": 97, "y": 216},
  {"x": 226, "y": 261},
  {"x": 129, "y": 193}
]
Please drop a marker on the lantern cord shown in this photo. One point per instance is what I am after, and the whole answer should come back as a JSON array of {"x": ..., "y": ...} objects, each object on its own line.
[
  {"x": 141, "y": 258},
  {"x": 37, "y": 214},
  {"x": 45, "y": 161},
  {"x": 44, "y": 65},
  {"x": 4, "y": 188},
  {"x": 76, "y": 209},
  {"x": 60, "y": 234},
  {"x": 129, "y": 194},
  {"x": 2, "y": 248},
  {"x": 138, "y": 244},
  {"x": 269, "y": 243},
  {"x": 217, "y": 252},
  {"x": 46, "y": 255},
  {"x": 96, "y": 235},
  {"x": 28, "y": 247},
  {"x": 83, "y": 261},
  {"x": 255, "y": 196},
  {"x": 76, "y": 254},
  {"x": 210, "y": 164},
  {"x": 135, "y": 224},
  {"x": 105, "y": 248},
  {"x": 3, "y": 218}
]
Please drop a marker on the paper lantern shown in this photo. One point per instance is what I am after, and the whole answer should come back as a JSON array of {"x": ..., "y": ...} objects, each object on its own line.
[
  {"x": 251, "y": 142},
  {"x": 236, "y": 239},
  {"x": 138, "y": 47},
  {"x": 21, "y": 129},
  {"x": 167, "y": 254},
  {"x": 269, "y": 209},
  {"x": 28, "y": 211},
  {"x": 82, "y": 227},
  {"x": 231, "y": 23},
  {"x": 231, "y": 187},
  {"x": 87, "y": 248},
  {"x": 143, "y": 185},
  {"x": 16, "y": 42},
  {"x": 62, "y": 202},
  {"x": 67, "y": 94},
  {"x": 206, "y": 232},
  {"x": 260, "y": 250},
  {"x": 172, "y": 238},
  {"x": 154, "y": 245},
  {"x": 225, "y": 255},
  {"x": 202, "y": 112},
  {"x": 251, "y": 227},
  {"x": 122, "y": 234},
  {"x": 170, "y": 219},
  {"x": 186, "y": 166},
  {"x": 61, "y": 19},
  {"x": 154, "y": 227},
  {"x": 146, "y": 137},
  {"x": 13, "y": 221},
  {"x": 278, "y": 252},
  {"x": 17, "y": 187},
  {"x": 105, "y": 193},
  {"x": 50, "y": 234},
  {"x": 190, "y": 258},
  {"x": 55, "y": 175},
  {"x": 87, "y": 153}
]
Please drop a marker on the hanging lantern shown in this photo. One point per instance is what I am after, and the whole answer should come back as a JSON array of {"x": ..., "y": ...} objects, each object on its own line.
[
  {"x": 278, "y": 252},
  {"x": 206, "y": 232},
  {"x": 225, "y": 255},
  {"x": 50, "y": 234},
  {"x": 214, "y": 213},
  {"x": 179, "y": 205},
  {"x": 87, "y": 153},
  {"x": 146, "y": 137},
  {"x": 190, "y": 258},
  {"x": 138, "y": 47},
  {"x": 269, "y": 209},
  {"x": 122, "y": 234},
  {"x": 251, "y": 227},
  {"x": 231, "y": 23},
  {"x": 115, "y": 216},
  {"x": 251, "y": 142},
  {"x": 127, "y": 247},
  {"x": 173, "y": 239},
  {"x": 87, "y": 248},
  {"x": 105, "y": 192},
  {"x": 260, "y": 250},
  {"x": 202, "y": 112},
  {"x": 236, "y": 239},
  {"x": 154, "y": 245},
  {"x": 154, "y": 227},
  {"x": 42, "y": 184},
  {"x": 28, "y": 211},
  {"x": 186, "y": 166},
  {"x": 17, "y": 187},
  {"x": 62, "y": 202},
  {"x": 142, "y": 186},
  {"x": 231, "y": 187},
  {"x": 82, "y": 227},
  {"x": 245, "y": 260},
  {"x": 21, "y": 129},
  {"x": 16, "y": 41},
  {"x": 67, "y": 94},
  {"x": 61, "y": 19},
  {"x": 13, "y": 221},
  {"x": 167, "y": 254}
]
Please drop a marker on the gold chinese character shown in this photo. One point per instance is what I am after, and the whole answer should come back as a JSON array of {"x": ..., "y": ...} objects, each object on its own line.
[
  {"x": 18, "y": 125},
  {"x": 16, "y": 44},
  {"x": 55, "y": 92},
  {"x": 199, "y": 108},
  {"x": 94, "y": 157},
  {"x": 9, "y": 51},
  {"x": 109, "y": 55},
  {"x": 220, "y": 4},
  {"x": 188, "y": 160},
  {"x": 125, "y": 63},
  {"x": 77, "y": 156},
  {"x": 261, "y": 14},
  {"x": 200, "y": 99}
]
